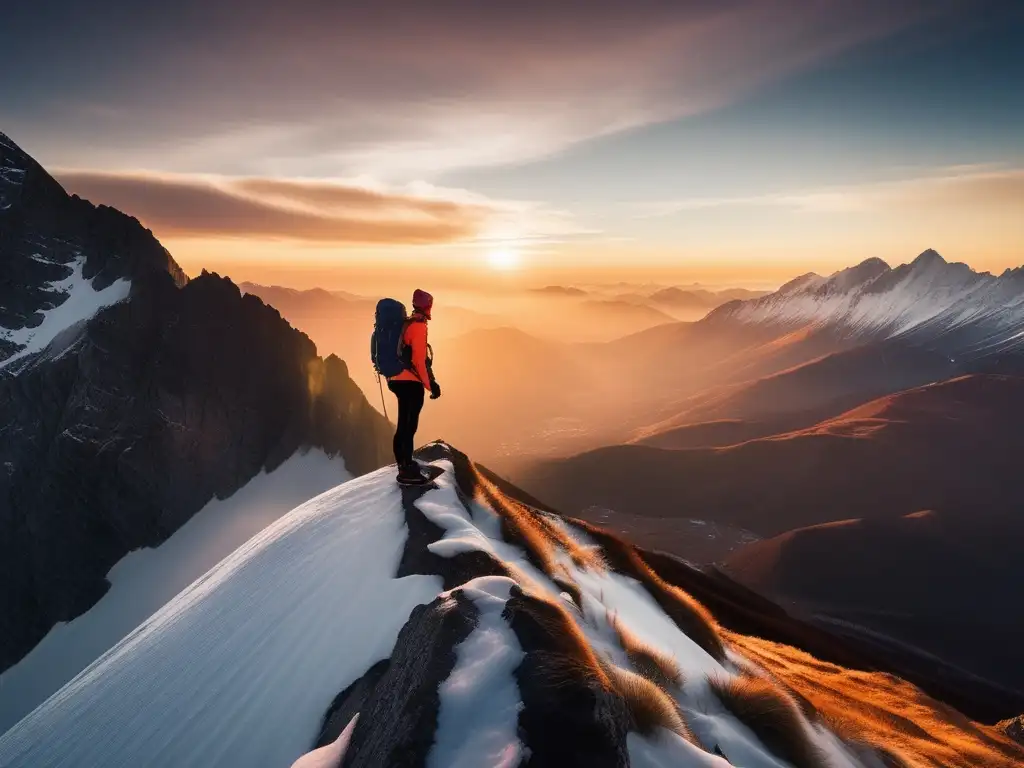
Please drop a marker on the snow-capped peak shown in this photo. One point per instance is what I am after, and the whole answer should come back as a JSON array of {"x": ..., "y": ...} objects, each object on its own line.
[
  {"x": 928, "y": 257},
  {"x": 455, "y": 626},
  {"x": 852, "y": 278},
  {"x": 931, "y": 301}
]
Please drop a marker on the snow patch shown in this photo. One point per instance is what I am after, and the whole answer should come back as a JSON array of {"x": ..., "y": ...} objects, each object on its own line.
[
  {"x": 480, "y": 532},
  {"x": 478, "y": 722},
  {"x": 668, "y": 750},
  {"x": 82, "y": 302},
  {"x": 143, "y": 580}
]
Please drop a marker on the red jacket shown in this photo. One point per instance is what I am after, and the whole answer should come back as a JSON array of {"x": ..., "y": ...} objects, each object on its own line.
[{"x": 415, "y": 337}]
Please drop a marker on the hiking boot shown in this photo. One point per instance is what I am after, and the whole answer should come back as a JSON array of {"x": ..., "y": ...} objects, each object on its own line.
[{"x": 410, "y": 474}]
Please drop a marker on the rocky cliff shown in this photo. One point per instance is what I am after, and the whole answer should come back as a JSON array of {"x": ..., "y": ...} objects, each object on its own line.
[{"x": 120, "y": 418}]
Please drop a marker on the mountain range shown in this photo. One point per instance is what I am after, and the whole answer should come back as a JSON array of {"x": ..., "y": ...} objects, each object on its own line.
[{"x": 942, "y": 306}]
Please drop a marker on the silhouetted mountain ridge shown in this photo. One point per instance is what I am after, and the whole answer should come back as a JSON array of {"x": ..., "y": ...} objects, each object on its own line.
[{"x": 122, "y": 415}]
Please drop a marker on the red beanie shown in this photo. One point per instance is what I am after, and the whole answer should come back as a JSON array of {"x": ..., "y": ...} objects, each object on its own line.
[{"x": 422, "y": 301}]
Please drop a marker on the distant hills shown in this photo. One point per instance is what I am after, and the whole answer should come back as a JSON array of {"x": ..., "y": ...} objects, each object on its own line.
[{"x": 950, "y": 444}]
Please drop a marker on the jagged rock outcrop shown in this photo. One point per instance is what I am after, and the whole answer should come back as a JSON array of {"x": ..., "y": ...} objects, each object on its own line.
[
  {"x": 131, "y": 418},
  {"x": 1014, "y": 728}
]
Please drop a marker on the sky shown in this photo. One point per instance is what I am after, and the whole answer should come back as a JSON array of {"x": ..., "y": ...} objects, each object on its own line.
[{"x": 726, "y": 141}]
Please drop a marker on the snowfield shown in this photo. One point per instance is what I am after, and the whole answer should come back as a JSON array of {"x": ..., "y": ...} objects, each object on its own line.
[
  {"x": 244, "y": 667},
  {"x": 144, "y": 580},
  {"x": 82, "y": 302}
]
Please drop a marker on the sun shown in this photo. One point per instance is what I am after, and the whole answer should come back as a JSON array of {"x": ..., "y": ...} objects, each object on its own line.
[{"x": 504, "y": 259}]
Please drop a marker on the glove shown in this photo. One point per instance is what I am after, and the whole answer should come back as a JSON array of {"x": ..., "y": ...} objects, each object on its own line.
[{"x": 435, "y": 390}]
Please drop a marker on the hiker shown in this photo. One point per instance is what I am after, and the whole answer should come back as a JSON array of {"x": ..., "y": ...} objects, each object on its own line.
[{"x": 411, "y": 385}]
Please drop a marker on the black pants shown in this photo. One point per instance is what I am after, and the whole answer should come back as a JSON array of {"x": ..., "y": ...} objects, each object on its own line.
[{"x": 410, "y": 403}]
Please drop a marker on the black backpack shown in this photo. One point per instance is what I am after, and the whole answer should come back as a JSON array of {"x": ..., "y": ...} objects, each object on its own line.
[{"x": 386, "y": 347}]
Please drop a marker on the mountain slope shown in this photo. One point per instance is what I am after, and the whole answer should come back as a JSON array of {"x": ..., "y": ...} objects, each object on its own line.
[
  {"x": 927, "y": 579},
  {"x": 831, "y": 343},
  {"x": 832, "y": 384},
  {"x": 477, "y": 630},
  {"x": 954, "y": 443},
  {"x": 120, "y": 425}
]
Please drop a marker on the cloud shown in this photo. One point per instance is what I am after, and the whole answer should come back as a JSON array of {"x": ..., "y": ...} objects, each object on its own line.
[
  {"x": 410, "y": 89},
  {"x": 958, "y": 188},
  {"x": 338, "y": 212},
  {"x": 316, "y": 211}
]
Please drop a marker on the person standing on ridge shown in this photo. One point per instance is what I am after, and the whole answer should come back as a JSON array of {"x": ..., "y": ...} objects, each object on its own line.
[{"x": 411, "y": 385}]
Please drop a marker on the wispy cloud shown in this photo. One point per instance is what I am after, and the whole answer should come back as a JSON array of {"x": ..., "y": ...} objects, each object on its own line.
[
  {"x": 985, "y": 186},
  {"x": 409, "y": 89},
  {"x": 336, "y": 212},
  {"x": 204, "y": 206}
]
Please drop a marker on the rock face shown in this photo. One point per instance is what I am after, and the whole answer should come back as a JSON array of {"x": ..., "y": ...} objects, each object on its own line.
[
  {"x": 133, "y": 418},
  {"x": 43, "y": 231}
]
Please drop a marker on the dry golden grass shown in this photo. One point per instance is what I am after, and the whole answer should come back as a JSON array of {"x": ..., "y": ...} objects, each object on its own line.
[
  {"x": 572, "y": 660},
  {"x": 689, "y": 615},
  {"x": 773, "y": 717},
  {"x": 885, "y": 711},
  {"x": 900, "y": 724},
  {"x": 565, "y": 638},
  {"x": 655, "y": 665},
  {"x": 531, "y": 530},
  {"x": 649, "y": 706}
]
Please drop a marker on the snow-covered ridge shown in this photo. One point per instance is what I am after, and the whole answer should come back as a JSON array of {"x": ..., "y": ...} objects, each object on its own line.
[
  {"x": 143, "y": 580},
  {"x": 950, "y": 305},
  {"x": 461, "y": 628},
  {"x": 81, "y": 302}
]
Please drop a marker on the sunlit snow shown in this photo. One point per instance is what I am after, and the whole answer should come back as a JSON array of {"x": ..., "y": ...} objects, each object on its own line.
[
  {"x": 240, "y": 668},
  {"x": 143, "y": 580},
  {"x": 479, "y": 716}
]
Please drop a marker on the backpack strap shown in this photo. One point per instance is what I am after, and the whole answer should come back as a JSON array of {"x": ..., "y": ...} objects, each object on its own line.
[{"x": 401, "y": 339}]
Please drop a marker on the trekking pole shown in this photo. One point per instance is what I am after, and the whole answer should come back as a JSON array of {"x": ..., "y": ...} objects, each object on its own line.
[{"x": 383, "y": 404}]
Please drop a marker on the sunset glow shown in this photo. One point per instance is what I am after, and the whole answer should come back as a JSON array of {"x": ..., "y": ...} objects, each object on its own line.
[
  {"x": 692, "y": 140},
  {"x": 504, "y": 259}
]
